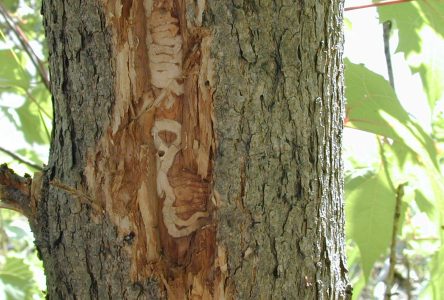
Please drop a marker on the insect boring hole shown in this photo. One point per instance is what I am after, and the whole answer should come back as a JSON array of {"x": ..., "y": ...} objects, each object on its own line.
[{"x": 161, "y": 153}]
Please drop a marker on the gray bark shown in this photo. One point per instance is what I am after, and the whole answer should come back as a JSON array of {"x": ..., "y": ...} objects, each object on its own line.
[
  {"x": 82, "y": 259},
  {"x": 279, "y": 108},
  {"x": 278, "y": 112}
]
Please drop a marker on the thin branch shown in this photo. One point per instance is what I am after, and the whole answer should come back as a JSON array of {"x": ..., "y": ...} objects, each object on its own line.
[
  {"x": 384, "y": 162},
  {"x": 15, "y": 191},
  {"x": 29, "y": 95},
  {"x": 376, "y": 4},
  {"x": 23, "y": 161},
  {"x": 392, "y": 259},
  {"x": 400, "y": 189},
  {"x": 386, "y": 27},
  {"x": 78, "y": 194},
  {"x": 38, "y": 64},
  {"x": 409, "y": 285},
  {"x": 9, "y": 206},
  {"x": 44, "y": 126}
]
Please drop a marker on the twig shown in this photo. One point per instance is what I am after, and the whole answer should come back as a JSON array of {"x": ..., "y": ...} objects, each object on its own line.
[
  {"x": 400, "y": 189},
  {"x": 376, "y": 4},
  {"x": 392, "y": 259},
  {"x": 41, "y": 110},
  {"x": 30, "y": 96},
  {"x": 384, "y": 162},
  {"x": 25, "y": 44},
  {"x": 81, "y": 196},
  {"x": 14, "y": 191},
  {"x": 409, "y": 285},
  {"x": 387, "y": 26},
  {"x": 23, "y": 161}
]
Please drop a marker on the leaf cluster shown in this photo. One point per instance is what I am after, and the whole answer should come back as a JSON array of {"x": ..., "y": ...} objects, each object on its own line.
[{"x": 405, "y": 150}]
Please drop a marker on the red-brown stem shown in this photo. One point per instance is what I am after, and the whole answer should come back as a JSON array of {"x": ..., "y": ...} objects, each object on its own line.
[{"x": 376, "y": 4}]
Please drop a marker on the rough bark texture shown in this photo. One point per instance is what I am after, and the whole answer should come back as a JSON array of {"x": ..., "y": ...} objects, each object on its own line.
[
  {"x": 83, "y": 258},
  {"x": 279, "y": 109},
  {"x": 253, "y": 111}
]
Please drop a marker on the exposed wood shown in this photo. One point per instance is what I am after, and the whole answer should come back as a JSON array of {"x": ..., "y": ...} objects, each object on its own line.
[
  {"x": 200, "y": 142},
  {"x": 163, "y": 118}
]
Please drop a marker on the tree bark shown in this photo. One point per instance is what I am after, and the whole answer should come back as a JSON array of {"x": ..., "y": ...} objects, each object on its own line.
[{"x": 196, "y": 151}]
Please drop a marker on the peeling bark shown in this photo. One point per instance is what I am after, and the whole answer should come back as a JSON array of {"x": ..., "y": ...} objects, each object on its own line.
[{"x": 204, "y": 139}]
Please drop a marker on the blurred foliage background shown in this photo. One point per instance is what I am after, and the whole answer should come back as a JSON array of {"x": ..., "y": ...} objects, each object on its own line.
[
  {"x": 393, "y": 145},
  {"x": 393, "y": 149},
  {"x": 25, "y": 126}
]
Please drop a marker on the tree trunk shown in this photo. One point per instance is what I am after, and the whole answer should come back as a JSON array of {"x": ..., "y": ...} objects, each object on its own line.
[{"x": 196, "y": 151}]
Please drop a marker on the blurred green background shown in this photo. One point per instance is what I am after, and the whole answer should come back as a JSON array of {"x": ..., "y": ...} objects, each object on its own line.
[{"x": 393, "y": 142}]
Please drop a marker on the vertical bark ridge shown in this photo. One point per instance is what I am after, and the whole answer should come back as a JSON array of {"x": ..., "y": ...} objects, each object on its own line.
[
  {"x": 280, "y": 97},
  {"x": 145, "y": 161},
  {"x": 255, "y": 213}
]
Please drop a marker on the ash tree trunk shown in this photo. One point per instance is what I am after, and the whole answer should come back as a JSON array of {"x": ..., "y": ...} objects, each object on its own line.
[{"x": 196, "y": 151}]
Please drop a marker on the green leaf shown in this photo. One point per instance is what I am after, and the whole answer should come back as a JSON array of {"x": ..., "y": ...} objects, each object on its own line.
[
  {"x": 431, "y": 71},
  {"x": 408, "y": 20},
  {"x": 373, "y": 106},
  {"x": 12, "y": 70},
  {"x": 410, "y": 17},
  {"x": 368, "y": 94},
  {"x": 31, "y": 123},
  {"x": 31, "y": 155},
  {"x": 429, "y": 64},
  {"x": 370, "y": 209},
  {"x": 424, "y": 204},
  {"x": 357, "y": 288},
  {"x": 355, "y": 271},
  {"x": 41, "y": 96},
  {"x": 10, "y": 116},
  {"x": 420, "y": 24},
  {"x": 11, "y": 5},
  {"x": 31, "y": 25},
  {"x": 435, "y": 288},
  {"x": 356, "y": 177},
  {"x": 17, "y": 279},
  {"x": 438, "y": 127},
  {"x": 432, "y": 13},
  {"x": 348, "y": 24},
  {"x": 15, "y": 232}
]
